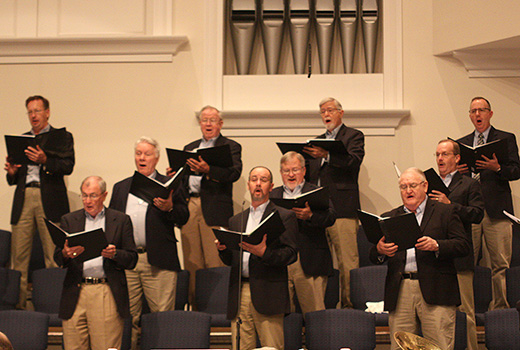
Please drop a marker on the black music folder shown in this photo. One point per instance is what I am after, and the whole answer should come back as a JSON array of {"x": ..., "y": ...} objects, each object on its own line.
[
  {"x": 469, "y": 155},
  {"x": 331, "y": 145},
  {"x": 16, "y": 146},
  {"x": 402, "y": 230},
  {"x": 272, "y": 226},
  {"x": 295, "y": 147},
  {"x": 94, "y": 241},
  {"x": 318, "y": 200},
  {"x": 147, "y": 189},
  {"x": 435, "y": 182},
  {"x": 217, "y": 156}
]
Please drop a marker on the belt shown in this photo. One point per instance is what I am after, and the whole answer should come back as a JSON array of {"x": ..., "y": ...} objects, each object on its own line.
[
  {"x": 141, "y": 250},
  {"x": 94, "y": 280},
  {"x": 196, "y": 195},
  {"x": 33, "y": 184},
  {"x": 410, "y": 275},
  {"x": 245, "y": 279}
]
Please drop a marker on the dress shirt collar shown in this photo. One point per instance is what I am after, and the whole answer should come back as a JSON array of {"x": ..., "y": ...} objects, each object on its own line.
[
  {"x": 46, "y": 129},
  {"x": 99, "y": 216},
  {"x": 332, "y": 134},
  {"x": 288, "y": 193},
  {"x": 447, "y": 180}
]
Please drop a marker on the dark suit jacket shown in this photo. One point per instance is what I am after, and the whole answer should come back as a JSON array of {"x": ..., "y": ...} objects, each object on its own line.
[
  {"x": 437, "y": 275},
  {"x": 311, "y": 239},
  {"x": 161, "y": 243},
  {"x": 118, "y": 230},
  {"x": 341, "y": 174},
  {"x": 466, "y": 197},
  {"x": 60, "y": 162},
  {"x": 216, "y": 192},
  {"x": 267, "y": 275},
  {"x": 495, "y": 186}
]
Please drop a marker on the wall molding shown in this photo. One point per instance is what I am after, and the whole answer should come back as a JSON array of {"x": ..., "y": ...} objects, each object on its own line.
[
  {"x": 90, "y": 49},
  {"x": 382, "y": 122}
]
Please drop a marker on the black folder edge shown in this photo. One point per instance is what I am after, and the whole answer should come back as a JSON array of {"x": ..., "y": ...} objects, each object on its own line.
[
  {"x": 435, "y": 182},
  {"x": 154, "y": 188},
  {"x": 273, "y": 225},
  {"x": 374, "y": 233},
  {"x": 16, "y": 145},
  {"x": 318, "y": 200},
  {"x": 177, "y": 158},
  {"x": 94, "y": 241}
]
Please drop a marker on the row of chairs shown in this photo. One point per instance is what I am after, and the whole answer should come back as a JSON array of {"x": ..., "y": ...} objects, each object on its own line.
[{"x": 324, "y": 330}]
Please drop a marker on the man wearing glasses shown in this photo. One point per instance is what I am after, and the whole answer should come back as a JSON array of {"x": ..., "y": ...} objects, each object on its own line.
[
  {"x": 339, "y": 172},
  {"x": 210, "y": 196},
  {"x": 94, "y": 301},
  {"x": 466, "y": 197},
  {"x": 40, "y": 189},
  {"x": 308, "y": 275},
  {"x": 494, "y": 177},
  {"x": 421, "y": 290}
]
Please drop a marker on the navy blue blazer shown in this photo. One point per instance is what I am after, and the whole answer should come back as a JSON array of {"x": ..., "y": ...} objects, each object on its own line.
[
  {"x": 341, "y": 174},
  {"x": 495, "y": 186},
  {"x": 119, "y": 232},
  {"x": 161, "y": 243},
  {"x": 216, "y": 192}
]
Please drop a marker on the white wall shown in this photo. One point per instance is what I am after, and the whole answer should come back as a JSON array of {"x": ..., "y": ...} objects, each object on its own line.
[{"x": 107, "y": 106}]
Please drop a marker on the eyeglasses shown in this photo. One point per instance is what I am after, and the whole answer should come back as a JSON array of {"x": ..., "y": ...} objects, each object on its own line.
[
  {"x": 36, "y": 111},
  {"x": 329, "y": 111},
  {"x": 443, "y": 154},
  {"x": 480, "y": 110},
  {"x": 294, "y": 171},
  {"x": 413, "y": 186},
  {"x": 92, "y": 196},
  {"x": 210, "y": 121}
]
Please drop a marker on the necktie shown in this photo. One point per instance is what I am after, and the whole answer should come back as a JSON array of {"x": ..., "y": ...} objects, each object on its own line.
[{"x": 480, "y": 141}]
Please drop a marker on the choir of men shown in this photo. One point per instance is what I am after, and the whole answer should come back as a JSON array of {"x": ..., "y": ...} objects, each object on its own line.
[{"x": 424, "y": 285}]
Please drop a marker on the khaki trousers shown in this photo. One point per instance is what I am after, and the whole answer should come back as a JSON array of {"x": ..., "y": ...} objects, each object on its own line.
[
  {"x": 467, "y": 306},
  {"x": 413, "y": 314},
  {"x": 157, "y": 285},
  {"x": 269, "y": 328},
  {"x": 95, "y": 324},
  {"x": 23, "y": 235},
  {"x": 498, "y": 237},
  {"x": 310, "y": 290},
  {"x": 343, "y": 239},
  {"x": 198, "y": 244}
]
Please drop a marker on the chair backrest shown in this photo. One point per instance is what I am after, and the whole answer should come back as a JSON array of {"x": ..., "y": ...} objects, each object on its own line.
[
  {"x": 175, "y": 330},
  {"x": 27, "y": 330},
  {"x": 502, "y": 330},
  {"x": 367, "y": 284},
  {"x": 482, "y": 291},
  {"x": 513, "y": 285},
  {"x": 9, "y": 288},
  {"x": 46, "y": 296},
  {"x": 340, "y": 328},
  {"x": 181, "y": 291},
  {"x": 461, "y": 338},
  {"x": 211, "y": 293},
  {"x": 5, "y": 247},
  {"x": 292, "y": 331}
]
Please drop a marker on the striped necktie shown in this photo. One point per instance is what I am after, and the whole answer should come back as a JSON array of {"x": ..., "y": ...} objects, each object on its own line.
[{"x": 480, "y": 142}]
